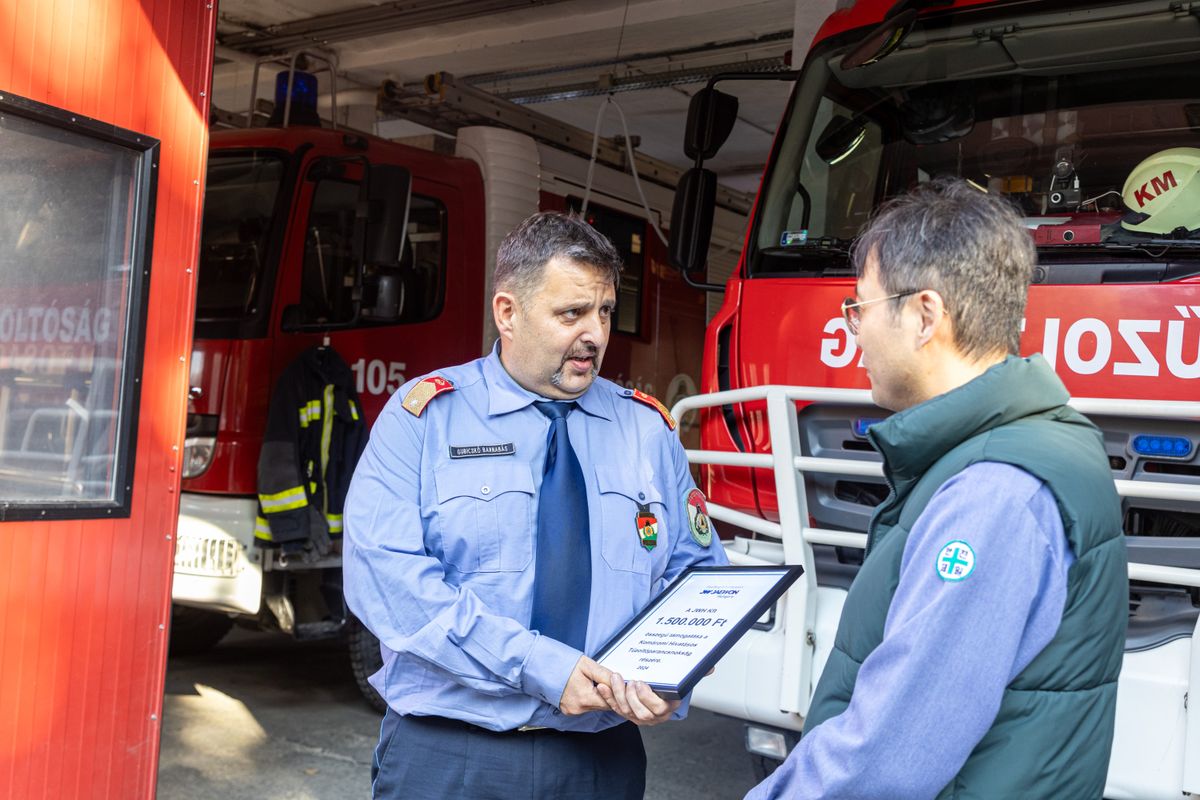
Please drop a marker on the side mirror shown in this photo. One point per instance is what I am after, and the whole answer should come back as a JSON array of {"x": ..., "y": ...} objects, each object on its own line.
[
  {"x": 383, "y": 296},
  {"x": 692, "y": 219},
  {"x": 390, "y": 297},
  {"x": 710, "y": 119},
  {"x": 881, "y": 41},
  {"x": 387, "y": 215},
  {"x": 839, "y": 139}
]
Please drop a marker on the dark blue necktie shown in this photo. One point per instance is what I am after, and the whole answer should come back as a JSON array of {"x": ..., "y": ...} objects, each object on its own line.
[{"x": 562, "y": 584}]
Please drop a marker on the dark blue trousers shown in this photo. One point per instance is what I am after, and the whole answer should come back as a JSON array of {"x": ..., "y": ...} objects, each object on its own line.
[{"x": 428, "y": 757}]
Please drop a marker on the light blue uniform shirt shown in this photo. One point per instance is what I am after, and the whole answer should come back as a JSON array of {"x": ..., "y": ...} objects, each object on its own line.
[
  {"x": 931, "y": 689},
  {"x": 439, "y": 551}
]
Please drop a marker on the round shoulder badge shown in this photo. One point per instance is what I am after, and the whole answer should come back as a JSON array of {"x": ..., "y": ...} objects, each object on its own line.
[
  {"x": 956, "y": 561},
  {"x": 697, "y": 510}
]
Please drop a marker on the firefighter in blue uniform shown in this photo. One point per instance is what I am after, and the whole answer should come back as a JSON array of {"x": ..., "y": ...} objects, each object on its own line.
[{"x": 508, "y": 517}]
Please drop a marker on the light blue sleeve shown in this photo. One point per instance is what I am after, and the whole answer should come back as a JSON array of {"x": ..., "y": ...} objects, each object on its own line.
[
  {"x": 400, "y": 593},
  {"x": 930, "y": 691},
  {"x": 685, "y": 550}
]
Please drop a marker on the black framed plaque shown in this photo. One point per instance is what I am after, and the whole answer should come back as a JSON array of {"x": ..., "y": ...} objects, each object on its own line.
[{"x": 685, "y": 631}]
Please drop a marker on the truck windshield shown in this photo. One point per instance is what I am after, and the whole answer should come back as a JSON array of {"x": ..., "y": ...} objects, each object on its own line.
[
  {"x": 239, "y": 203},
  {"x": 1059, "y": 142}
]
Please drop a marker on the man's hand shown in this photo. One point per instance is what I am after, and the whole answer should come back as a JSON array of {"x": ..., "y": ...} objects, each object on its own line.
[
  {"x": 635, "y": 701},
  {"x": 581, "y": 695}
]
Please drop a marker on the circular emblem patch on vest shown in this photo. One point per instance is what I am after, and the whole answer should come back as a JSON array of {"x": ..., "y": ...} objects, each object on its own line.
[
  {"x": 697, "y": 511},
  {"x": 956, "y": 561}
]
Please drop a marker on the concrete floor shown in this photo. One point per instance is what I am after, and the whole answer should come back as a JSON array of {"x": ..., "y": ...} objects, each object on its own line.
[{"x": 262, "y": 717}]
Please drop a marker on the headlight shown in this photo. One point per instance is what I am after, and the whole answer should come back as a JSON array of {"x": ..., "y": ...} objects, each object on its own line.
[
  {"x": 199, "y": 443},
  {"x": 766, "y": 742}
]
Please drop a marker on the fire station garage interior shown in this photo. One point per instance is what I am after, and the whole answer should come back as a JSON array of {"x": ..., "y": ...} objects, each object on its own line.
[
  {"x": 503, "y": 99},
  {"x": 252, "y": 254}
]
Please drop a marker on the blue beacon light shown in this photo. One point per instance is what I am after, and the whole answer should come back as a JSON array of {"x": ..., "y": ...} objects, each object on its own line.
[
  {"x": 1161, "y": 446},
  {"x": 304, "y": 98},
  {"x": 861, "y": 424}
]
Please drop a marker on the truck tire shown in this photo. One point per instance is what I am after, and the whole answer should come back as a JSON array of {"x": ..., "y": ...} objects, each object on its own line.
[
  {"x": 365, "y": 661},
  {"x": 195, "y": 631}
]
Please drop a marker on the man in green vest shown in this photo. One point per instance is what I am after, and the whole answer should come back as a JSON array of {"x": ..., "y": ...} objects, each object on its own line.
[{"x": 979, "y": 647}]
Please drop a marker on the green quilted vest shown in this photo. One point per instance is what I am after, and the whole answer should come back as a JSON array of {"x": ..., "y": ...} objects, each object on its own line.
[{"x": 1053, "y": 733}]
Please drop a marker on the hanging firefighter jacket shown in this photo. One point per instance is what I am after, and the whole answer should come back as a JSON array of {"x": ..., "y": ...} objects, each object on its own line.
[{"x": 314, "y": 436}]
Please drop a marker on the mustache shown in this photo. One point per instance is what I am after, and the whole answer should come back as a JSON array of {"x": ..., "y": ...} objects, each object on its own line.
[{"x": 587, "y": 351}]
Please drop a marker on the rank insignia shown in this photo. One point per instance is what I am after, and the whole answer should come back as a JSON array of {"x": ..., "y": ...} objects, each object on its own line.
[
  {"x": 419, "y": 396},
  {"x": 647, "y": 527},
  {"x": 697, "y": 511},
  {"x": 656, "y": 404}
]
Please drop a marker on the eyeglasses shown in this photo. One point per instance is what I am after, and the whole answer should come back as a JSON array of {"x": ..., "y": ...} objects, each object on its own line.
[{"x": 850, "y": 308}]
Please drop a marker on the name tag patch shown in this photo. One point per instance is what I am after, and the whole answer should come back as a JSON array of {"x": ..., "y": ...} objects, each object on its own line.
[{"x": 480, "y": 450}]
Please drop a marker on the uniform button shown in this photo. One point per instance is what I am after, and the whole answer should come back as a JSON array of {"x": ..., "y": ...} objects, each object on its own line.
[
  {"x": 641, "y": 495},
  {"x": 485, "y": 490}
]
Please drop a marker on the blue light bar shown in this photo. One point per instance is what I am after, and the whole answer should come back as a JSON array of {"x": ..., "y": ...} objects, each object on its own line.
[
  {"x": 1162, "y": 446},
  {"x": 304, "y": 88},
  {"x": 304, "y": 99},
  {"x": 861, "y": 424}
]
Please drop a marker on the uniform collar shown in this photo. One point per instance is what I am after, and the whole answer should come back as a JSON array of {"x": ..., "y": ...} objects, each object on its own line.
[{"x": 506, "y": 395}]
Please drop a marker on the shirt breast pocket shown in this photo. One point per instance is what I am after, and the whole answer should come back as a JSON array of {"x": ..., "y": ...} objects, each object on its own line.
[
  {"x": 621, "y": 494},
  {"x": 484, "y": 515}
]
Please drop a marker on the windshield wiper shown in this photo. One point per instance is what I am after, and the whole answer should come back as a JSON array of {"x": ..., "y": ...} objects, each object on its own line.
[
  {"x": 827, "y": 256},
  {"x": 1153, "y": 248},
  {"x": 819, "y": 246}
]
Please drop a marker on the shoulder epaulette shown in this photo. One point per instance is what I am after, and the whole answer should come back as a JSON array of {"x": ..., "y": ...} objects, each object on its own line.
[
  {"x": 654, "y": 403},
  {"x": 419, "y": 396}
]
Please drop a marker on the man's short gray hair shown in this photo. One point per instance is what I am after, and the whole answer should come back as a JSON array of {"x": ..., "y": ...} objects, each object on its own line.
[
  {"x": 525, "y": 252},
  {"x": 967, "y": 245}
]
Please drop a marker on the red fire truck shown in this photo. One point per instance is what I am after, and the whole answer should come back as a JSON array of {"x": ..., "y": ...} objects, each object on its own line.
[
  {"x": 283, "y": 268},
  {"x": 1074, "y": 111}
]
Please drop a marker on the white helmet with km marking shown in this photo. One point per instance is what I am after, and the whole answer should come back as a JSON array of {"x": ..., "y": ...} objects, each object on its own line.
[{"x": 1162, "y": 193}]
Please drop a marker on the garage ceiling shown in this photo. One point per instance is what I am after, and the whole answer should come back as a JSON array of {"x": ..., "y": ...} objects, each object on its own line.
[{"x": 561, "y": 58}]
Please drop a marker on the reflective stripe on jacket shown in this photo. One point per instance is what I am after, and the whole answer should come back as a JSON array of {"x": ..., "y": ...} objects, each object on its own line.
[{"x": 314, "y": 435}]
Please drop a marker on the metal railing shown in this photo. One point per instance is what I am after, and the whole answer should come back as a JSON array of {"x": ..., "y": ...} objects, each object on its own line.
[{"x": 797, "y": 537}]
